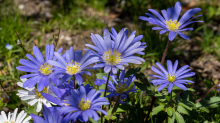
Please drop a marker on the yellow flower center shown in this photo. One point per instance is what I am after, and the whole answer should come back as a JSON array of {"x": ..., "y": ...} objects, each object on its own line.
[
  {"x": 112, "y": 58},
  {"x": 46, "y": 69},
  {"x": 84, "y": 104},
  {"x": 171, "y": 77},
  {"x": 45, "y": 90},
  {"x": 73, "y": 68},
  {"x": 9, "y": 121},
  {"x": 173, "y": 25},
  {"x": 121, "y": 88}
]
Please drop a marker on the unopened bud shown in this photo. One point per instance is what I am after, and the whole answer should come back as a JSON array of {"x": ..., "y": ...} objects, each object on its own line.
[{"x": 18, "y": 42}]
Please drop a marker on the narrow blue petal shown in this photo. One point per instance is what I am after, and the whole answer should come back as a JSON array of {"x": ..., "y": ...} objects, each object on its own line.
[
  {"x": 31, "y": 82},
  {"x": 29, "y": 64},
  {"x": 37, "y": 119},
  {"x": 28, "y": 75},
  {"x": 175, "y": 66},
  {"x": 183, "y": 35},
  {"x": 27, "y": 69},
  {"x": 157, "y": 28},
  {"x": 51, "y": 52},
  {"x": 172, "y": 35},
  {"x": 47, "y": 52},
  {"x": 169, "y": 66},
  {"x": 102, "y": 42},
  {"x": 188, "y": 15},
  {"x": 60, "y": 58},
  {"x": 158, "y": 71},
  {"x": 177, "y": 10},
  {"x": 33, "y": 59},
  {"x": 162, "y": 68},
  {"x": 67, "y": 109},
  {"x": 137, "y": 38},
  {"x": 107, "y": 38},
  {"x": 162, "y": 86},
  {"x": 38, "y": 54},
  {"x": 163, "y": 31},
  {"x": 164, "y": 12},
  {"x": 170, "y": 13},
  {"x": 77, "y": 55},
  {"x": 85, "y": 57},
  {"x": 182, "y": 69},
  {"x": 170, "y": 87},
  {"x": 85, "y": 116},
  {"x": 158, "y": 15},
  {"x": 51, "y": 98},
  {"x": 114, "y": 70},
  {"x": 107, "y": 68},
  {"x": 88, "y": 62},
  {"x": 72, "y": 55},
  {"x": 189, "y": 74},
  {"x": 79, "y": 79},
  {"x": 180, "y": 86},
  {"x": 95, "y": 115},
  {"x": 41, "y": 83}
]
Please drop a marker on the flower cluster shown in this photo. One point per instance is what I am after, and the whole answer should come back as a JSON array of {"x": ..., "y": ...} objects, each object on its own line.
[{"x": 55, "y": 80}]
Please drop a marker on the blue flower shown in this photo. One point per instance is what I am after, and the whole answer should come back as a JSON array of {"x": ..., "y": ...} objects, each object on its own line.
[
  {"x": 62, "y": 91},
  {"x": 82, "y": 105},
  {"x": 169, "y": 20},
  {"x": 115, "y": 54},
  {"x": 73, "y": 65},
  {"x": 121, "y": 87},
  {"x": 8, "y": 46},
  {"x": 51, "y": 115},
  {"x": 39, "y": 67},
  {"x": 172, "y": 76}
]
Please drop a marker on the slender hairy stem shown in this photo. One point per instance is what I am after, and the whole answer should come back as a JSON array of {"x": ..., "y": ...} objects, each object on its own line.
[
  {"x": 114, "y": 108},
  {"x": 154, "y": 98},
  {"x": 74, "y": 79},
  {"x": 105, "y": 94},
  {"x": 207, "y": 92},
  {"x": 165, "y": 52},
  {"x": 22, "y": 46},
  {"x": 56, "y": 38},
  {"x": 171, "y": 99}
]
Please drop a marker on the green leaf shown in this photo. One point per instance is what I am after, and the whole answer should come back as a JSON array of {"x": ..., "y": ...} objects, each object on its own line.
[
  {"x": 190, "y": 89},
  {"x": 171, "y": 120},
  {"x": 91, "y": 120},
  {"x": 181, "y": 109},
  {"x": 179, "y": 118},
  {"x": 211, "y": 103},
  {"x": 141, "y": 86},
  {"x": 170, "y": 111},
  {"x": 157, "y": 109},
  {"x": 99, "y": 75}
]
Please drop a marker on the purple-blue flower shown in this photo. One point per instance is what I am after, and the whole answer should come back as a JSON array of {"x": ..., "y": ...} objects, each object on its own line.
[
  {"x": 73, "y": 65},
  {"x": 51, "y": 115},
  {"x": 115, "y": 54},
  {"x": 82, "y": 105},
  {"x": 39, "y": 68},
  {"x": 62, "y": 91},
  {"x": 121, "y": 87},
  {"x": 172, "y": 76},
  {"x": 169, "y": 21}
]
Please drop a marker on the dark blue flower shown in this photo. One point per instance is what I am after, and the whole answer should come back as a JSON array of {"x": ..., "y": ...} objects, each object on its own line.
[
  {"x": 81, "y": 105},
  {"x": 169, "y": 20},
  {"x": 73, "y": 65},
  {"x": 122, "y": 87},
  {"x": 51, "y": 115},
  {"x": 62, "y": 91},
  {"x": 115, "y": 54},
  {"x": 39, "y": 67},
  {"x": 172, "y": 76}
]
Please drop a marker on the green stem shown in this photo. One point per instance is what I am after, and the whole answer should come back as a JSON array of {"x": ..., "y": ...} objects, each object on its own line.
[
  {"x": 105, "y": 94},
  {"x": 171, "y": 99},
  {"x": 114, "y": 108}
]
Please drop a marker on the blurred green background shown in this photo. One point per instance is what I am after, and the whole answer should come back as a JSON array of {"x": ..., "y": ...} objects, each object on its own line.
[{"x": 36, "y": 21}]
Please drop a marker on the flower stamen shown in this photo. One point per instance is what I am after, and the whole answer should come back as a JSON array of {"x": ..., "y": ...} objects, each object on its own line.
[
  {"x": 73, "y": 68},
  {"x": 172, "y": 25},
  {"x": 9, "y": 121},
  {"x": 45, "y": 90},
  {"x": 112, "y": 58},
  {"x": 84, "y": 104},
  {"x": 46, "y": 69},
  {"x": 171, "y": 77}
]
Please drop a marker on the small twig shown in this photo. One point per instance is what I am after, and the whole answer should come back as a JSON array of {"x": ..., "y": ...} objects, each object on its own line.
[
  {"x": 207, "y": 92},
  {"x": 22, "y": 46},
  {"x": 56, "y": 38},
  {"x": 114, "y": 108}
]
